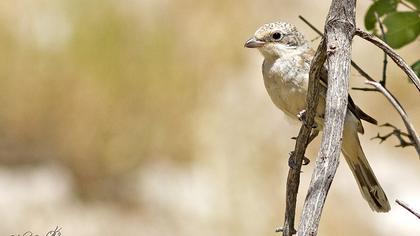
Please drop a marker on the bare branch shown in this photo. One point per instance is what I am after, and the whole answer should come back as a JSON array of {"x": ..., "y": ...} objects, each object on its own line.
[
  {"x": 410, "y": 128},
  {"x": 408, "y": 208},
  {"x": 302, "y": 140},
  {"x": 391, "y": 52},
  {"x": 339, "y": 30},
  {"x": 385, "y": 62},
  {"x": 311, "y": 26},
  {"x": 361, "y": 71},
  {"x": 408, "y": 6},
  {"x": 365, "y": 89},
  {"x": 397, "y": 133}
]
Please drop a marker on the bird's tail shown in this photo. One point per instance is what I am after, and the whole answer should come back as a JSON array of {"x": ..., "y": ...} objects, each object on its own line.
[{"x": 359, "y": 165}]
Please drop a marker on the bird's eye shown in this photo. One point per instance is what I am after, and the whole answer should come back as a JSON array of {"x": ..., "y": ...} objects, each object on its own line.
[{"x": 276, "y": 36}]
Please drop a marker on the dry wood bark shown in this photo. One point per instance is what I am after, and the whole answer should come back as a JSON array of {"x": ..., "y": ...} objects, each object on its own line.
[
  {"x": 293, "y": 177},
  {"x": 339, "y": 31}
]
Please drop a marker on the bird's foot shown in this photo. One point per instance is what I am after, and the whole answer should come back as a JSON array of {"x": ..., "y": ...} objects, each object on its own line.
[
  {"x": 302, "y": 115},
  {"x": 292, "y": 163}
]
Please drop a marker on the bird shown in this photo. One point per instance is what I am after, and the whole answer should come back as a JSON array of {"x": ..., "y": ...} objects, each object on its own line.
[{"x": 285, "y": 69}]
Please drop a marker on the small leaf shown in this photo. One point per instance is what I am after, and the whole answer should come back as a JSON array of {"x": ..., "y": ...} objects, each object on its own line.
[
  {"x": 381, "y": 7},
  {"x": 416, "y": 68},
  {"x": 402, "y": 28},
  {"x": 415, "y": 3}
]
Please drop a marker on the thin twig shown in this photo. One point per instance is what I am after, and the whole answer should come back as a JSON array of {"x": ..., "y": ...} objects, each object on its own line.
[
  {"x": 311, "y": 25},
  {"x": 365, "y": 89},
  {"x": 361, "y": 71},
  {"x": 381, "y": 26},
  {"x": 400, "y": 135},
  {"x": 391, "y": 52},
  {"x": 410, "y": 128},
  {"x": 408, "y": 208},
  {"x": 408, "y": 6}
]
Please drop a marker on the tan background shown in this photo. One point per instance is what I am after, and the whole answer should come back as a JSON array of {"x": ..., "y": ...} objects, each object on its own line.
[{"x": 148, "y": 117}]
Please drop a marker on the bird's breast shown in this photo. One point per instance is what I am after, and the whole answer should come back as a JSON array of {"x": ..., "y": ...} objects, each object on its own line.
[{"x": 286, "y": 83}]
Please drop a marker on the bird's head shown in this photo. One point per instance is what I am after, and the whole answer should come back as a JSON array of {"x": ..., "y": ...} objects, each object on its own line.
[{"x": 276, "y": 39}]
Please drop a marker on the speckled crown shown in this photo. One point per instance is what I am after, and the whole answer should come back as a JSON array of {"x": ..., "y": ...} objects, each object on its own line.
[{"x": 290, "y": 34}]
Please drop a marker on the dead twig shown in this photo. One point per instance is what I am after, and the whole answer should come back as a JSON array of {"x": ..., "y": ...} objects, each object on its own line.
[
  {"x": 410, "y": 128},
  {"x": 385, "y": 62},
  {"x": 365, "y": 89},
  {"x": 408, "y": 6},
  {"x": 408, "y": 208},
  {"x": 397, "y": 133}
]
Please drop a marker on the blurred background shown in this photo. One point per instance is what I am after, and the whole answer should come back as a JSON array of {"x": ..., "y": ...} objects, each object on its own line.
[{"x": 148, "y": 117}]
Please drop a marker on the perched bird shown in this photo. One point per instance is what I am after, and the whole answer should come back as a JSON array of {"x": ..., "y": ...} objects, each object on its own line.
[{"x": 287, "y": 59}]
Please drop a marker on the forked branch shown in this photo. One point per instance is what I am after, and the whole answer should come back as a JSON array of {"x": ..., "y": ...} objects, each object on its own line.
[
  {"x": 410, "y": 128},
  {"x": 400, "y": 135},
  {"x": 391, "y": 53},
  {"x": 386, "y": 92}
]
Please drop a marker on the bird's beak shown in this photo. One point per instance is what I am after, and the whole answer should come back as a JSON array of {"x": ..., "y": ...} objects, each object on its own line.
[{"x": 253, "y": 43}]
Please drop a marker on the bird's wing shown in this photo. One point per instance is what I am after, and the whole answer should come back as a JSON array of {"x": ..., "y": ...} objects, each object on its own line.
[{"x": 361, "y": 115}]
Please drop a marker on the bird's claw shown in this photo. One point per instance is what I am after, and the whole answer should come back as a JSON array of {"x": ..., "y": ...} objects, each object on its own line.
[
  {"x": 294, "y": 165},
  {"x": 306, "y": 161},
  {"x": 302, "y": 115}
]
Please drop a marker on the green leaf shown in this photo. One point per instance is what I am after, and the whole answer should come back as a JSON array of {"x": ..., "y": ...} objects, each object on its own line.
[
  {"x": 416, "y": 68},
  {"x": 381, "y": 7},
  {"x": 415, "y": 3},
  {"x": 402, "y": 28}
]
